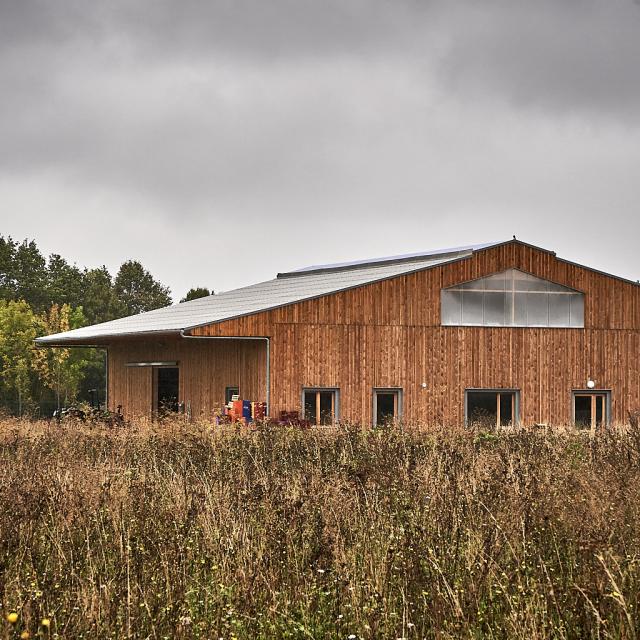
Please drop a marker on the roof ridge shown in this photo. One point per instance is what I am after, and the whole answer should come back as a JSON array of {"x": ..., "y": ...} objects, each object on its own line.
[{"x": 384, "y": 260}]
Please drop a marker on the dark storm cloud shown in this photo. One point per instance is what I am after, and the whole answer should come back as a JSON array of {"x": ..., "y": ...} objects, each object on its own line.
[
  {"x": 238, "y": 27},
  {"x": 499, "y": 116},
  {"x": 571, "y": 56}
]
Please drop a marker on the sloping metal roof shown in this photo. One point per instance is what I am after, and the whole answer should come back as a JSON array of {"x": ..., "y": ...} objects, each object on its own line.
[
  {"x": 450, "y": 252},
  {"x": 285, "y": 289}
]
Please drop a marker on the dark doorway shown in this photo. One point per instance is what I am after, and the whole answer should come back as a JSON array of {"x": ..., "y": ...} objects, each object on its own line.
[
  {"x": 167, "y": 390},
  {"x": 491, "y": 408}
]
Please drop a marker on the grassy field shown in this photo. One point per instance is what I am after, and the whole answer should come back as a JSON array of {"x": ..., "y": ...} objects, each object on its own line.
[{"x": 179, "y": 531}]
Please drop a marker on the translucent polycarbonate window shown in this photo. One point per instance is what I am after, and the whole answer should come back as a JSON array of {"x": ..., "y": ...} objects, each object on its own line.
[{"x": 512, "y": 299}]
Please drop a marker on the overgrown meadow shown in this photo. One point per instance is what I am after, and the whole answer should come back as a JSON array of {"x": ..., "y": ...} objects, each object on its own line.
[{"x": 188, "y": 531}]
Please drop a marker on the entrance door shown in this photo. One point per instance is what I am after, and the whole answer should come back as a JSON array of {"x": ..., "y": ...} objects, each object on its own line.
[
  {"x": 166, "y": 390},
  {"x": 590, "y": 409}
]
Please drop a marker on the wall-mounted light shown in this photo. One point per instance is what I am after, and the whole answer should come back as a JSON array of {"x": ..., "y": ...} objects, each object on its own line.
[
  {"x": 590, "y": 384},
  {"x": 424, "y": 385}
]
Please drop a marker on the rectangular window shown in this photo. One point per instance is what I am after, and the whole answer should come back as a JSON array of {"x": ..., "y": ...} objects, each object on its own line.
[
  {"x": 387, "y": 406},
  {"x": 591, "y": 409},
  {"x": 320, "y": 406},
  {"x": 229, "y": 392},
  {"x": 492, "y": 407}
]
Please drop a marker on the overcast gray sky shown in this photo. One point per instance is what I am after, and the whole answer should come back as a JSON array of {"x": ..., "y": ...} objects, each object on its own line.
[{"x": 220, "y": 142}]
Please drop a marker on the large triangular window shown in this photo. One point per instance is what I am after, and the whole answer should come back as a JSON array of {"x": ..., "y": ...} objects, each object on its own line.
[{"x": 512, "y": 299}]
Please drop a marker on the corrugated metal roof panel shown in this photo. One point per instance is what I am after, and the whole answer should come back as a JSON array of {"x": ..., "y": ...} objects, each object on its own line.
[
  {"x": 249, "y": 300},
  {"x": 388, "y": 259}
]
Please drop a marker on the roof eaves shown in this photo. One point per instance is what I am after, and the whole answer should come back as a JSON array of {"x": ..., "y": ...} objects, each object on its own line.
[
  {"x": 100, "y": 341},
  {"x": 602, "y": 273}
]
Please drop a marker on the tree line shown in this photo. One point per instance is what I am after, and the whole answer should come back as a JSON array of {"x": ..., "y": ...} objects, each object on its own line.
[{"x": 41, "y": 296}]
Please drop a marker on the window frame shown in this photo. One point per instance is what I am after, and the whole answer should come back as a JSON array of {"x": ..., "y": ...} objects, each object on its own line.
[
  {"x": 335, "y": 391},
  {"x": 498, "y": 390},
  {"x": 398, "y": 402},
  {"x": 227, "y": 395},
  {"x": 606, "y": 393}
]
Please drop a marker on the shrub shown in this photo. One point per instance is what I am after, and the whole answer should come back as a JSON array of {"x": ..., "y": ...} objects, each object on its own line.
[{"x": 186, "y": 531}]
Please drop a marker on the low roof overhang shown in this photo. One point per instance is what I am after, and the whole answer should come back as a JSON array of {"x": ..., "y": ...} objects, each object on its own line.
[{"x": 105, "y": 341}]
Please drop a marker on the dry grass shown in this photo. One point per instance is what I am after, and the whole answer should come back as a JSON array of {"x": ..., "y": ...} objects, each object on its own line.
[{"x": 185, "y": 532}]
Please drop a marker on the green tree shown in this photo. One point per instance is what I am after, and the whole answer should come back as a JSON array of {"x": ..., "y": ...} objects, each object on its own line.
[
  {"x": 99, "y": 303},
  {"x": 195, "y": 293},
  {"x": 7, "y": 268},
  {"x": 65, "y": 282},
  {"x": 30, "y": 268},
  {"x": 56, "y": 296},
  {"x": 61, "y": 369},
  {"x": 137, "y": 291},
  {"x": 19, "y": 326}
]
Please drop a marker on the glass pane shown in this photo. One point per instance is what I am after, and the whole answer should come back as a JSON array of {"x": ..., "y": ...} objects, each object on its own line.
[
  {"x": 582, "y": 411},
  {"x": 475, "y": 285},
  {"x": 494, "y": 308},
  {"x": 600, "y": 412},
  {"x": 482, "y": 408},
  {"x": 520, "y": 281},
  {"x": 537, "y": 284},
  {"x": 472, "y": 307},
  {"x": 558, "y": 287},
  {"x": 385, "y": 407},
  {"x": 520, "y": 309},
  {"x": 559, "y": 310},
  {"x": 537, "y": 309},
  {"x": 577, "y": 310},
  {"x": 495, "y": 282},
  {"x": 326, "y": 407},
  {"x": 451, "y": 307},
  {"x": 506, "y": 409},
  {"x": 509, "y": 276},
  {"x": 310, "y": 407}
]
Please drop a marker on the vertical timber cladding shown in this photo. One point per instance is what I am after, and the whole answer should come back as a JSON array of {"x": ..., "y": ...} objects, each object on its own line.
[
  {"x": 388, "y": 334},
  {"x": 207, "y": 367}
]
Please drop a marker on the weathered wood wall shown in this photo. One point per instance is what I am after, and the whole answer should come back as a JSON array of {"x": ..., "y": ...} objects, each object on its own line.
[
  {"x": 206, "y": 369},
  {"x": 388, "y": 334}
]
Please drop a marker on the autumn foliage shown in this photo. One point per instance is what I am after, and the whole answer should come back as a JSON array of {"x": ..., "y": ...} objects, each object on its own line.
[{"x": 187, "y": 531}]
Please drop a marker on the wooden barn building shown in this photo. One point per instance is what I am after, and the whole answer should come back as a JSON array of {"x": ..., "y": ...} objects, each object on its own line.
[{"x": 504, "y": 332}]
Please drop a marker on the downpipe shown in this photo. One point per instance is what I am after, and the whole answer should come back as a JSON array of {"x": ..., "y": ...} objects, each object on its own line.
[{"x": 268, "y": 343}]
